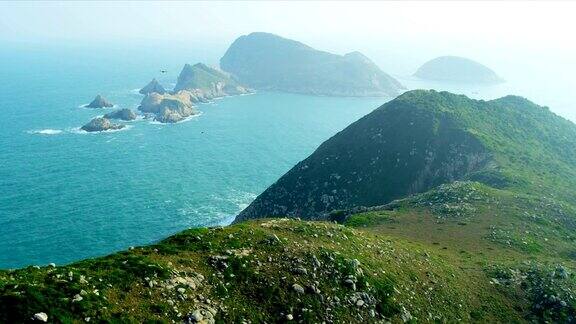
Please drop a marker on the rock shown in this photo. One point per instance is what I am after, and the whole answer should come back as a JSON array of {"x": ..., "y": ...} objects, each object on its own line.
[
  {"x": 350, "y": 283},
  {"x": 169, "y": 108},
  {"x": 300, "y": 270},
  {"x": 297, "y": 288},
  {"x": 122, "y": 114},
  {"x": 561, "y": 272},
  {"x": 42, "y": 317},
  {"x": 153, "y": 86},
  {"x": 359, "y": 303},
  {"x": 100, "y": 124},
  {"x": 100, "y": 102},
  {"x": 53, "y": 265},
  {"x": 289, "y": 317},
  {"x": 77, "y": 298},
  {"x": 405, "y": 315}
]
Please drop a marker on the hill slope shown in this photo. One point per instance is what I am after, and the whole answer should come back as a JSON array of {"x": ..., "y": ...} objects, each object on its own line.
[
  {"x": 420, "y": 140},
  {"x": 457, "y": 69},
  {"x": 266, "y": 61}
]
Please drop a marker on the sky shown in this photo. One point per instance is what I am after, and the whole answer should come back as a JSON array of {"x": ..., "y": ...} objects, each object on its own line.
[
  {"x": 522, "y": 23},
  {"x": 534, "y": 37},
  {"x": 384, "y": 28}
]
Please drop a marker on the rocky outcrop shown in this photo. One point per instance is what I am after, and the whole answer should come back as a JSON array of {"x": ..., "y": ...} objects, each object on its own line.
[
  {"x": 269, "y": 62},
  {"x": 153, "y": 86},
  {"x": 100, "y": 102},
  {"x": 122, "y": 114},
  {"x": 205, "y": 83},
  {"x": 457, "y": 69},
  {"x": 169, "y": 108},
  {"x": 100, "y": 124}
]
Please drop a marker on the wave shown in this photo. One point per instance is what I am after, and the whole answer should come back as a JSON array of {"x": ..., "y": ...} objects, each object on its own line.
[{"x": 47, "y": 131}]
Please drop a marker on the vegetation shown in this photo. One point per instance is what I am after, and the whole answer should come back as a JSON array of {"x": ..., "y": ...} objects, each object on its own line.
[
  {"x": 200, "y": 76},
  {"x": 423, "y": 139}
]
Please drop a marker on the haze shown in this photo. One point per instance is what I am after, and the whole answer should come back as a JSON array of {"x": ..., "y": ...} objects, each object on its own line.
[{"x": 520, "y": 40}]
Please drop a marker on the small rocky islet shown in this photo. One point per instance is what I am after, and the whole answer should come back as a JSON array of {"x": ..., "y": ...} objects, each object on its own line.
[
  {"x": 99, "y": 102},
  {"x": 122, "y": 114},
  {"x": 153, "y": 86},
  {"x": 197, "y": 83},
  {"x": 101, "y": 124}
]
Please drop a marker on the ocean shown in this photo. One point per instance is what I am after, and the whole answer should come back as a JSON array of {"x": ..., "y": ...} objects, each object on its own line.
[{"x": 66, "y": 195}]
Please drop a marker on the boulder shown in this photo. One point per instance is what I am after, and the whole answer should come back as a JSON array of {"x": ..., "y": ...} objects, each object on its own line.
[
  {"x": 100, "y": 102},
  {"x": 153, "y": 86},
  {"x": 122, "y": 114},
  {"x": 169, "y": 108},
  {"x": 100, "y": 124}
]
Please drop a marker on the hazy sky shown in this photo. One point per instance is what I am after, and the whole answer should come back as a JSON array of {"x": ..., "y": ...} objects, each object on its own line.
[
  {"x": 523, "y": 23},
  {"x": 522, "y": 40}
]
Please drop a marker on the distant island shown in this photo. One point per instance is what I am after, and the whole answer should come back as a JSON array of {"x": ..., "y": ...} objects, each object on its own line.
[
  {"x": 100, "y": 124},
  {"x": 100, "y": 102},
  {"x": 270, "y": 62},
  {"x": 457, "y": 69}
]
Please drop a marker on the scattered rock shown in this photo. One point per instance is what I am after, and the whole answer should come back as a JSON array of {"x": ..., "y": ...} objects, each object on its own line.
[
  {"x": 42, "y": 317},
  {"x": 100, "y": 124},
  {"x": 297, "y": 288},
  {"x": 122, "y": 114}
]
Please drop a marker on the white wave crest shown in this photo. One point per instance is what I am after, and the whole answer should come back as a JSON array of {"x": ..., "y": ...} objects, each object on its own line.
[{"x": 47, "y": 131}]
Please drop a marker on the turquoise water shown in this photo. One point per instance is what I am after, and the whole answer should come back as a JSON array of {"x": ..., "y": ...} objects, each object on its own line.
[{"x": 65, "y": 195}]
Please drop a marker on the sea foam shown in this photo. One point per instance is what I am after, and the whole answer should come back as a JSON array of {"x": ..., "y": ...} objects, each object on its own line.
[{"x": 47, "y": 131}]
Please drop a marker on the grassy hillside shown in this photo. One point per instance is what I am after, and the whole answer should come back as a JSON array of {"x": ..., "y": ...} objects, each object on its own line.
[
  {"x": 423, "y": 139},
  {"x": 202, "y": 77},
  {"x": 460, "y": 252}
]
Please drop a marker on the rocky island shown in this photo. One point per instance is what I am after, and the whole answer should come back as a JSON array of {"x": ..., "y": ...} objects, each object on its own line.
[
  {"x": 100, "y": 124},
  {"x": 100, "y": 102},
  {"x": 270, "y": 62},
  {"x": 169, "y": 108},
  {"x": 457, "y": 69},
  {"x": 122, "y": 114},
  {"x": 205, "y": 83},
  {"x": 153, "y": 86}
]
